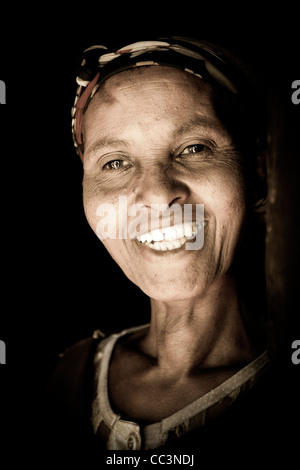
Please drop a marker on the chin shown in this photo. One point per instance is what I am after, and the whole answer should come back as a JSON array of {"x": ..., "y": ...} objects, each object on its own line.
[{"x": 169, "y": 291}]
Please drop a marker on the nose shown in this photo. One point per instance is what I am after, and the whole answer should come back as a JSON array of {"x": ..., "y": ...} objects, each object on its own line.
[{"x": 159, "y": 185}]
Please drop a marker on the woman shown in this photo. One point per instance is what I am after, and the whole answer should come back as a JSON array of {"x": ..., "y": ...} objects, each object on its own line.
[{"x": 169, "y": 127}]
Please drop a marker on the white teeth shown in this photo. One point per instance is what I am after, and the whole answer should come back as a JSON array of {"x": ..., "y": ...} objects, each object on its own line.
[
  {"x": 143, "y": 238},
  {"x": 169, "y": 238},
  {"x": 165, "y": 246},
  {"x": 157, "y": 235},
  {"x": 170, "y": 233},
  {"x": 188, "y": 231},
  {"x": 179, "y": 231},
  {"x": 178, "y": 243}
]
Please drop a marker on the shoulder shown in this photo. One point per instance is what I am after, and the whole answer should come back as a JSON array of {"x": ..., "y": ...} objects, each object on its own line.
[
  {"x": 73, "y": 376},
  {"x": 71, "y": 386},
  {"x": 74, "y": 366},
  {"x": 68, "y": 394}
]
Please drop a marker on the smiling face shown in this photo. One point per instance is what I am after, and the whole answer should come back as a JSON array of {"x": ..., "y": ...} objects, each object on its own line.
[{"x": 152, "y": 134}]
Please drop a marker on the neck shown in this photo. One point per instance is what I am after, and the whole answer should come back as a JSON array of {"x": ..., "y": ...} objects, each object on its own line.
[{"x": 206, "y": 331}]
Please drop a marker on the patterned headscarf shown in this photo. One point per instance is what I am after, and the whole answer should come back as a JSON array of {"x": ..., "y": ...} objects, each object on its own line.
[{"x": 205, "y": 60}]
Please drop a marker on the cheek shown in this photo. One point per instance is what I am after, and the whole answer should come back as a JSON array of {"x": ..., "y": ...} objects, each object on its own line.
[
  {"x": 97, "y": 206},
  {"x": 230, "y": 202},
  {"x": 223, "y": 195},
  {"x": 102, "y": 218},
  {"x": 230, "y": 214},
  {"x": 125, "y": 258},
  {"x": 116, "y": 250},
  {"x": 221, "y": 191},
  {"x": 90, "y": 209},
  {"x": 107, "y": 215}
]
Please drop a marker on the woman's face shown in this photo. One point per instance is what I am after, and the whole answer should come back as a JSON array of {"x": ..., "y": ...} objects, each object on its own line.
[{"x": 152, "y": 137}]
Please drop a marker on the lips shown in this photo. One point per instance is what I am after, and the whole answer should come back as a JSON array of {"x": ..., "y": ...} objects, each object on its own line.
[{"x": 171, "y": 237}]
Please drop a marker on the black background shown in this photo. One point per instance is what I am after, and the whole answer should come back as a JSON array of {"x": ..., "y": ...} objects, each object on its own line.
[{"x": 58, "y": 283}]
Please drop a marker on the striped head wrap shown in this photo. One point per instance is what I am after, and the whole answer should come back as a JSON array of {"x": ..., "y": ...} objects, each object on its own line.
[{"x": 205, "y": 60}]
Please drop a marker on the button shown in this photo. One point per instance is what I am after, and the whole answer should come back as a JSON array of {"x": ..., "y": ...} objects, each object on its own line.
[
  {"x": 178, "y": 431},
  {"x": 133, "y": 441}
]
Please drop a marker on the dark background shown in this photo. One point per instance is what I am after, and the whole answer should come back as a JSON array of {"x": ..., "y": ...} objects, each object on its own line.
[{"x": 58, "y": 282}]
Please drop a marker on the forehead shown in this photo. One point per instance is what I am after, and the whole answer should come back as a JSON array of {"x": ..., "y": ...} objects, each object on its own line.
[
  {"x": 147, "y": 96},
  {"x": 147, "y": 83},
  {"x": 163, "y": 75}
]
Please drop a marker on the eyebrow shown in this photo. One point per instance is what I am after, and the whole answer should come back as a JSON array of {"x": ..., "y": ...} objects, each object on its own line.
[
  {"x": 195, "y": 123},
  {"x": 105, "y": 142},
  {"x": 198, "y": 122}
]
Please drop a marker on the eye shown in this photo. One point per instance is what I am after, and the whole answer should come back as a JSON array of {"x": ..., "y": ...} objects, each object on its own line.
[
  {"x": 199, "y": 149},
  {"x": 115, "y": 165}
]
